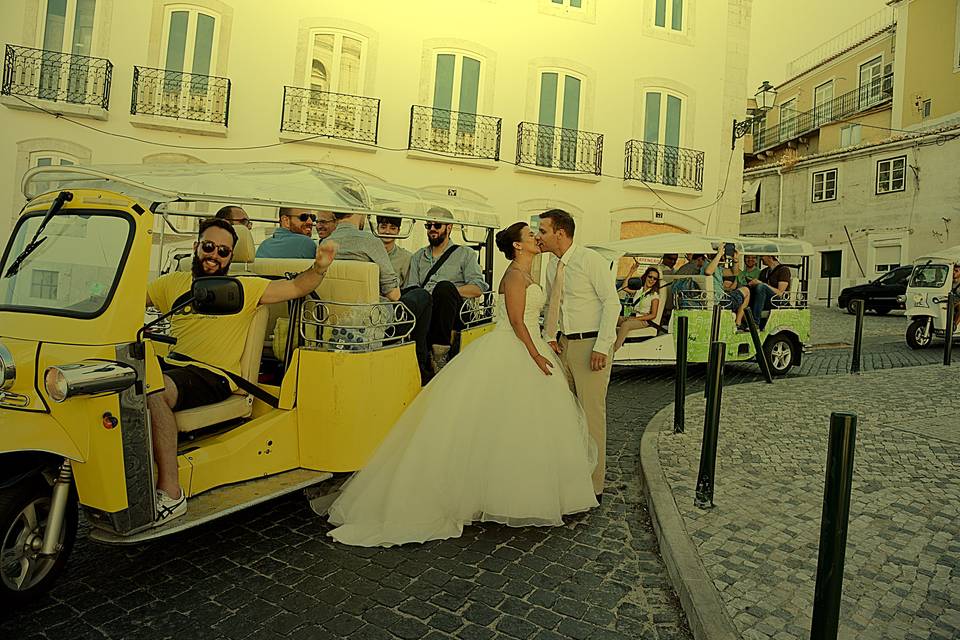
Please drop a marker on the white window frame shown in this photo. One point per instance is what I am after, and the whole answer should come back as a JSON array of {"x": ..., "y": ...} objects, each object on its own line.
[
  {"x": 447, "y": 138},
  {"x": 67, "y": 45},
  {"x": 568, "y": 4},
  {"x": 561, "y": 81},
  {"x": 56, "y": 159},
  {"x": 886, "y": 267},
  {"x": 850, "y": 128},
  {"x": 889, "y": 188},
  {"x": 823, "y": 111},
  {"x": 872, "y": 97},
  {"x": 788, "y": 111},
  {"x": 334, "y": 79},
  {"x": 668, "y": 17},
  {"x": 820, "y": 192},
  {"x": 458, "y": 56},
  {"x": 191, "y": 37},
  {"x": 956, "y": 42}
]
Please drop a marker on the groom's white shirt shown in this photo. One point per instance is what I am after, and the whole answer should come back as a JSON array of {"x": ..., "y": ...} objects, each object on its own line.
[{"x": 590, "y": 301}]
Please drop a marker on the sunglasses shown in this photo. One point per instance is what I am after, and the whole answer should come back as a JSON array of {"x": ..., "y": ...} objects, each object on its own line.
[
  {"x": 303, "y": 217},
  {"x": 208, "y": 246},
  {"x": 652, "y": 278},
  {"x": 433, "y": 225}
]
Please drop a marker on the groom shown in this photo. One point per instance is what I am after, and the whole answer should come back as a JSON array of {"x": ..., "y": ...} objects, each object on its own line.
[{"x": 581, "y": 322}]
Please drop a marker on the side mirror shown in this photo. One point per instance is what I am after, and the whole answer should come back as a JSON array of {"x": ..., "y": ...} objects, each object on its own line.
[{"x": 217, "y": 295}]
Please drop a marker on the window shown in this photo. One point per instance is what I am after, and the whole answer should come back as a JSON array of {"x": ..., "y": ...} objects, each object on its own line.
[
  {"x": 456, "y": 88},
  {"x": 823, "y": 103},
  {"x": 750, "y": 198},
  {"x": 559, "y": 106},
  {"x": 67, "y": 28},
  {"x": 43, "y": 284},
  {"x": 849, "y": 135},
  {"x": 891, "y": 175},
  {"x": 189, "y": 45},
  {"x": 337, "y": 62},
  {"x": 48, "y": 159},
  {"x": 662, "y": 120},
  {"x": 887, "y": 258},
  {"x": 788, "y": 119},
  {"x": 669, "y": 12},
  {"x": 925, "y": 108},
  {"x": 825, "y": 185},
  {"x": 870, "y": 90},
  {"x": 956, "y": 38},
  {"x": 576, "y": 4}
]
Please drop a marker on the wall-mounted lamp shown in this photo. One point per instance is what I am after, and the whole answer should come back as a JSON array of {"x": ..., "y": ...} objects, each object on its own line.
[{"x": 765, "y": 98}]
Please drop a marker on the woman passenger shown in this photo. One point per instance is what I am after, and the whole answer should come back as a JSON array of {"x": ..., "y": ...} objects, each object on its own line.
[{"x": 646, "y": 303}]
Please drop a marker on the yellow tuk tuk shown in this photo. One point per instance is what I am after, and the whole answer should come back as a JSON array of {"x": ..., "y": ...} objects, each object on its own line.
[{"x": 75, "y": 356}]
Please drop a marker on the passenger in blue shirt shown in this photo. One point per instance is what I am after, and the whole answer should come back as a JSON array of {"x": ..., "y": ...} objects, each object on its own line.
[
  {"x": 726, "y": 293},
  {"x": 292, "y": 237}
]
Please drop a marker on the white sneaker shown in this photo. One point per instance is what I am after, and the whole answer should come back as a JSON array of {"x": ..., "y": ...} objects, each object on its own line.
[{"x": 169, "y": 508}]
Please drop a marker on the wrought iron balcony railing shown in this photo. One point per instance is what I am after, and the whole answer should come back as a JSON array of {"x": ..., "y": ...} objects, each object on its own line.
[
  {"x": 794, "y": 125},
  {"x": 467, "y": 135},
  {"x": 558, "y": 148},
  {"x": 51, "y": 75},
  {"x": 337, "y": 115},
  {"x": 675, "y": 166},
  {"x": 184, "y": 96}
]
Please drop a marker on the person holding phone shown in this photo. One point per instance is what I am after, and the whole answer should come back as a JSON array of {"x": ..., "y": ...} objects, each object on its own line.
[{"x": 725, "y": 290}]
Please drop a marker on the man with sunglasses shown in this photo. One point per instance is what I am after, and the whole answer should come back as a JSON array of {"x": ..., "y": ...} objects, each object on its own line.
[
  {"x": 207, "y": 346},
  {"x": 292, "y": 238},
  {"x": 450, "y": 273},
  {"x": 235, "y": 215}
]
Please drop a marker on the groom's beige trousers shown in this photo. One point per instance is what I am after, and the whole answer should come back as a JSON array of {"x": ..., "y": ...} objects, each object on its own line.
[{"x": 590, "y": 388}]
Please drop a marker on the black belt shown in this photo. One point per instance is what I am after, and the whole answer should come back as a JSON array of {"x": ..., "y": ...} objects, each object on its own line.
[{"x": 581, "y": 336}]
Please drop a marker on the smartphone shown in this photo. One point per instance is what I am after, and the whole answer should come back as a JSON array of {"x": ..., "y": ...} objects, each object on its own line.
[{"x": 728, "y": 249}]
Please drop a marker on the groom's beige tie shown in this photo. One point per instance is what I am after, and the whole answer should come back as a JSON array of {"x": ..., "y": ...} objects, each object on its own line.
[{"x": 552, "y": 321}]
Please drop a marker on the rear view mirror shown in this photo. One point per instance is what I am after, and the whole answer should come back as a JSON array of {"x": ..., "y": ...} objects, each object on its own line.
[{"x": 217, "y": 295}]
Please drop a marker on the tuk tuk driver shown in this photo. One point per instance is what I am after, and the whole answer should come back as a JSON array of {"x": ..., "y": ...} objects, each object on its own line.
[{"x": 207, "y": 346}]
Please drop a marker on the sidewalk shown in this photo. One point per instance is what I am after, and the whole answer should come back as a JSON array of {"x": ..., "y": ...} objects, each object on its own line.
[{"x": 749, "y": 564}]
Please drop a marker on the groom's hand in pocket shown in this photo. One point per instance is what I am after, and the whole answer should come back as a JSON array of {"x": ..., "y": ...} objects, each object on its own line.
[
  {"x": 597, "y": 361},
  {"x": 555, "y": 346}
]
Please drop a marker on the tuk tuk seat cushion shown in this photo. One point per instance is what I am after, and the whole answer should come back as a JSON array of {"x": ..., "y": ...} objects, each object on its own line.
[
  {"x": 243, "y": 252},
  {"x": 238, "y": 405}
]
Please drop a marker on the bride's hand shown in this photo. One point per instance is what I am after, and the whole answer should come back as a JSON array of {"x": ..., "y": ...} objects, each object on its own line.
[{"x": 544, "y": 364}]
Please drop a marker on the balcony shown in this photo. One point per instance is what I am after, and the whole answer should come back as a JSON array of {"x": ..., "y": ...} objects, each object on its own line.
[
  {"x": 541, "y": 145},
  {"x": 465, "y": 135},
  {"x": 55, "y": 76},
  {"x": 334, "y": 115},
  {"x": 180, "y": 96},
  {"x": 656, "y": 163},
  {"x": 794, "y": 125}
]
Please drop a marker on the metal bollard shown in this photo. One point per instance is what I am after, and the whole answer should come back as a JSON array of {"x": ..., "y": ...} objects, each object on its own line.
[
  {"x": 714, "y": 336},
  {"x": 758, "y": 346},
  {"x": 948, "y": 343},
  {"x": 857, "y": 337},
  {"x": 711, "y": 427},
  {"x": 833, "y": 526},
  {"x": 680, "y": 383}
]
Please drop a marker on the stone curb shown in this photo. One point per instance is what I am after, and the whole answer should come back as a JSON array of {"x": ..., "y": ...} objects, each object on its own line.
[{"x": 707, "y": 616}]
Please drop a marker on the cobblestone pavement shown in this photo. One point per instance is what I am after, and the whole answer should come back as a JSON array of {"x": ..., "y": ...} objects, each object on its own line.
[
  {"x": 270, "y": 572},
  {"x": 759, "y": 544},
  {"x": 835, "y": 326}
]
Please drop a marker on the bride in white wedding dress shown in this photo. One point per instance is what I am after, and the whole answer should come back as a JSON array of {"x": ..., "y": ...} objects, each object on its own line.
[{"x": 497, "y": 436}]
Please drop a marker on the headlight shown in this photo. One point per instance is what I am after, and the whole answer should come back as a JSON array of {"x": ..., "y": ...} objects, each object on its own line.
[
  {"x": 7, "y": 371},
  {"x": 87, "y": 378},
  {"x": 901, "y": 299}
]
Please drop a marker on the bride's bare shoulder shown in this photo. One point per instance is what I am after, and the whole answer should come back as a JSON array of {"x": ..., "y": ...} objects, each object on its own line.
[{"x": 515, "y": 281}]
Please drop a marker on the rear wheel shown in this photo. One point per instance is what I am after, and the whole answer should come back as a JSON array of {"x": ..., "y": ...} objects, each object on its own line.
[
  {"x": 780, "y": 350},
  {"x": 917, "y": 335},
  {"x": 852, "y": 306},
  {"x": 25, "y": 574}
]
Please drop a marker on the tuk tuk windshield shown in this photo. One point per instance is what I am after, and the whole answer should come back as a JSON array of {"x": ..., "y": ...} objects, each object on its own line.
[
  {"x": 929, "y": 276},
  {"x": 74, "y": 270}
]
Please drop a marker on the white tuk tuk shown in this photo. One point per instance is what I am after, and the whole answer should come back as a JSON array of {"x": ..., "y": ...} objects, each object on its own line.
[{"x": 927, "y": 295}]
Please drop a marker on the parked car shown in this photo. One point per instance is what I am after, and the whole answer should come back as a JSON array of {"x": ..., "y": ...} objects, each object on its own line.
[{"x": 880, "y": 295}]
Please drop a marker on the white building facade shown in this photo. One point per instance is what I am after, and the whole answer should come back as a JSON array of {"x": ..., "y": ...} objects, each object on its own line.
[{"x": 616, "y": 111}]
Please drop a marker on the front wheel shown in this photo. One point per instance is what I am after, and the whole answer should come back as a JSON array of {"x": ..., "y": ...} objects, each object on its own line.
[
  {"x": 917, "y": 335},
  {"x": 25, "y": 574},
  {"x": 780, "y": 352}
]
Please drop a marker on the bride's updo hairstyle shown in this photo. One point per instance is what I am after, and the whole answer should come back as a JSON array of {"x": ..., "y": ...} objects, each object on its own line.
[{"x": 506, "y": 237}]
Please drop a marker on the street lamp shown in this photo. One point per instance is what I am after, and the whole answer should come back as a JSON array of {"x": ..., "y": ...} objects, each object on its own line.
[{"x": 765, "y": 98}]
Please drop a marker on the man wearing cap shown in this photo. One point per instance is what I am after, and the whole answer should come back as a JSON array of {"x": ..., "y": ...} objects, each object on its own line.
[{"x": 450, "y": 273}]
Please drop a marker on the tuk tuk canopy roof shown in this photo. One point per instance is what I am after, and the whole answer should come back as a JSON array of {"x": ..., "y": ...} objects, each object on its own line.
[
  {"x": 261, "y": 183},
  {"x": 950, "y": 254},
  {"x": 680, "y": 243}
]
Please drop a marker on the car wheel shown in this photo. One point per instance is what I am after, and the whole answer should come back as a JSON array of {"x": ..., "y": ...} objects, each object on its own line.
[
  {"x": 780, "y": 350},
  {"x": 852, "y": 306},
  {"x": 917, "y": 337},
  {"x": 24, "y": 509}
]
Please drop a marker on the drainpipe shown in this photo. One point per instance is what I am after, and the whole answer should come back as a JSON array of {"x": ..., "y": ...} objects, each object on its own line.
[{"x": 780, "y": 203}]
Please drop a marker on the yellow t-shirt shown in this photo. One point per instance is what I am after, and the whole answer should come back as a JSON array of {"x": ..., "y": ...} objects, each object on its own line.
[{"x": 213, "y": 340}]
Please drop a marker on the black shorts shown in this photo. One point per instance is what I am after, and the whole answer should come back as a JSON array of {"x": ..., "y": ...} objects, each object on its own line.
[
  {"x": 732, "y": 300},
  {"x": 196, "y": 386}
]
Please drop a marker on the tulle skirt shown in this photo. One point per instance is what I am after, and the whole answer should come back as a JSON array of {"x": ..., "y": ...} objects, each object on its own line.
[{"x": 491, "y": 438}]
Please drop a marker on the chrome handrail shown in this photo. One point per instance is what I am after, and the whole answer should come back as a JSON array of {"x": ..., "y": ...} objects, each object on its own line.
[
  {"x": 355, "y": 326},
  {"x": 479, "y": 310}
]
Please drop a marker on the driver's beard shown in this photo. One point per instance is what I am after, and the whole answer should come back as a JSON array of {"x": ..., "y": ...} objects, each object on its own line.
[
  {"x": 438, "y": 240},
  {"x": 197, "y": 269}
]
